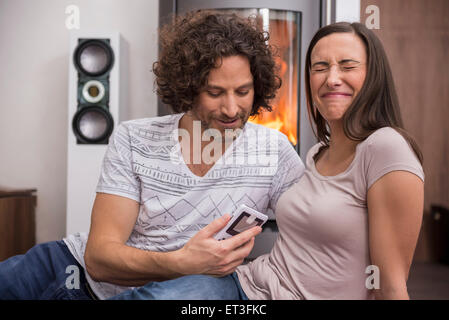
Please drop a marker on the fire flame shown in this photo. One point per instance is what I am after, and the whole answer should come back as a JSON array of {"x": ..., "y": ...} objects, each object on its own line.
[{"x": 284, "y": 116}]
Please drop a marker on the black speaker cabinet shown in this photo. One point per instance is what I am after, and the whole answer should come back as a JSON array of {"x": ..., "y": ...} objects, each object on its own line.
[{"x": 93, "y": 122}]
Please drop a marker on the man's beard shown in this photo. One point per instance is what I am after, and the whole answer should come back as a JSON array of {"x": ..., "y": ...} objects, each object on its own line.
[
  {"x": 227, "y": 134},
  {"x": 207, "y": 124}
]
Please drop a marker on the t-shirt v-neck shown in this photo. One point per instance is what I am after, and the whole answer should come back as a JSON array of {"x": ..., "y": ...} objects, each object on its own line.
[{"x": 225, "y": 154}]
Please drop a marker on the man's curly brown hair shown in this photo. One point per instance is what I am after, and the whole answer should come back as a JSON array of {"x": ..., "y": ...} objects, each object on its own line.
[{"x": 194, "y": 43}]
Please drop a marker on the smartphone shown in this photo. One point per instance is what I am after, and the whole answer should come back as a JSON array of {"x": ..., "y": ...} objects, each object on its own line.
[{"x": 242, "y": 219}]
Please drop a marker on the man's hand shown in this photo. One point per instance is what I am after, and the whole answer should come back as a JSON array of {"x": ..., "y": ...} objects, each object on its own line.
[{"x": 202, "y": 254}]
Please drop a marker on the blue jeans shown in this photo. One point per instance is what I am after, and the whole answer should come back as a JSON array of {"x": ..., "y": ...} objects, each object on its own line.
[
  {"x": 42, "y": 273},
  {"x": 194, "y": 287}
]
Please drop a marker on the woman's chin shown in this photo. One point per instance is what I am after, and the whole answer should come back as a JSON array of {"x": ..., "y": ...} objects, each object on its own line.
[{"x": 336, "y": 114}]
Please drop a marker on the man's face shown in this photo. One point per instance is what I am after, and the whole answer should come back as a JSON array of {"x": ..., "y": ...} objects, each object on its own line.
[{"x": 227, "y": 98}]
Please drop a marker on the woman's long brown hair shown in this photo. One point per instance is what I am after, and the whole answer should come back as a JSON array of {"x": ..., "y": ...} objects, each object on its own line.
[{"x": 376, "y": 106}]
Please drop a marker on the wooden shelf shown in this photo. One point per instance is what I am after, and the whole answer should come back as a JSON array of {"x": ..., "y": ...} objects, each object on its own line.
[{"x": 17, "y": 221}]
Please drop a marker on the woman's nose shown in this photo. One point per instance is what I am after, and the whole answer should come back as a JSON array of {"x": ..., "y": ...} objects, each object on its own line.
[{"x": 333, "y": 77}]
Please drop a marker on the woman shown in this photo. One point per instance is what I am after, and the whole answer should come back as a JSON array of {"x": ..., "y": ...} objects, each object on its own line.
[
  {"x": 359, "y": 205},
  {"x": 360, "y": 201}
]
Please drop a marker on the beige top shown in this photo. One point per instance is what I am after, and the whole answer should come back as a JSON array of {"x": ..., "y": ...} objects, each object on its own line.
[{"x": 322, "y": 248}]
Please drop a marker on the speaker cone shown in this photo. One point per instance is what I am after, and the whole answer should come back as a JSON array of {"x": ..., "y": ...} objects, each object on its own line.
[
  {"x": 92, "y": 124},
  {"x": 93, "y": 57}
]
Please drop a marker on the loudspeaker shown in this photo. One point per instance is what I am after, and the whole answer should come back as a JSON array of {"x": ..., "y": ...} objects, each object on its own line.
[{"x": 97, "y": 95}]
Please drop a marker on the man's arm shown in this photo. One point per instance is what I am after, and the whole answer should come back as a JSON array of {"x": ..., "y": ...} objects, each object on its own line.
[{"x": 109, "y": 259}]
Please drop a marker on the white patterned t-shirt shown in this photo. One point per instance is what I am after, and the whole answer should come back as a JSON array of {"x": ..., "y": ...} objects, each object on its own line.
[{"x": 143, "y": 162}]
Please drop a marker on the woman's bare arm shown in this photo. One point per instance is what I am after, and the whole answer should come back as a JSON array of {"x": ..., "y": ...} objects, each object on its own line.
[{"x": 395, "y": 210}]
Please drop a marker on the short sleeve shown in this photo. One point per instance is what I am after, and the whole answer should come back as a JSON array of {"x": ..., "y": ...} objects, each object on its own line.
[
  {"x": 388, "y": 151},
  {"x": 117, "y": 175},
  {"x": 289, "y": 170}
]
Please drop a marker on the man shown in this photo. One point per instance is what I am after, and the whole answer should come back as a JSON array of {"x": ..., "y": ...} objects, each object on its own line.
[{"x": 168, "y": 184}]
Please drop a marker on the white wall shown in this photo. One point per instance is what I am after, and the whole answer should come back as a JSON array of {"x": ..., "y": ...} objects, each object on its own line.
[
  {"x": 347, "y": 10},
  {"x": 34, "y": 57}
]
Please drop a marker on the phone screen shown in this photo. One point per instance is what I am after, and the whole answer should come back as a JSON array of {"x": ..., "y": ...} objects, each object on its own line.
[{"x": 242, "y": 223}]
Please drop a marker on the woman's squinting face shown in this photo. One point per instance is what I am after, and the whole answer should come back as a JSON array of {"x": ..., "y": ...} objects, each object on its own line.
[{"x": 337, "y": 73}]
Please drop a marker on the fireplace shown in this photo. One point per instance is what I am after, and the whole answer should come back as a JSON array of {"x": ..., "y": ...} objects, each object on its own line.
[{"x": 291, "y": 25}]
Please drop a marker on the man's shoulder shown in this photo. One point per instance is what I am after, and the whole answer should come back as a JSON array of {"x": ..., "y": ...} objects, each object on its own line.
[
  {"x": 274, "y": 142},
  {"x": 162, "y": 123},
  {"x": 259, "y": 127},
  {"x": 146, "y": 132},
  {"x": 254, "y": 129}
]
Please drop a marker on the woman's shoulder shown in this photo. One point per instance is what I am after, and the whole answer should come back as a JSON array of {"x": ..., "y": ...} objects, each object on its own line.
[
  {"x": 386, "y": 140},
  {"x": 312, "y": 152},
  {"x": 314, "y": 149},
  {"x": 387, "y": 150},
  {"x": 385, "y": 135}
]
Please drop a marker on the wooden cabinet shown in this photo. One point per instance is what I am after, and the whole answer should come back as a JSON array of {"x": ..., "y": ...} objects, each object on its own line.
[{"x": 17, "y": 221}]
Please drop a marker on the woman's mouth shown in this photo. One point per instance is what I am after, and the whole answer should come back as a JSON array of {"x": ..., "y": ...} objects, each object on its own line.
[{"x": 336, "y": 95}]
